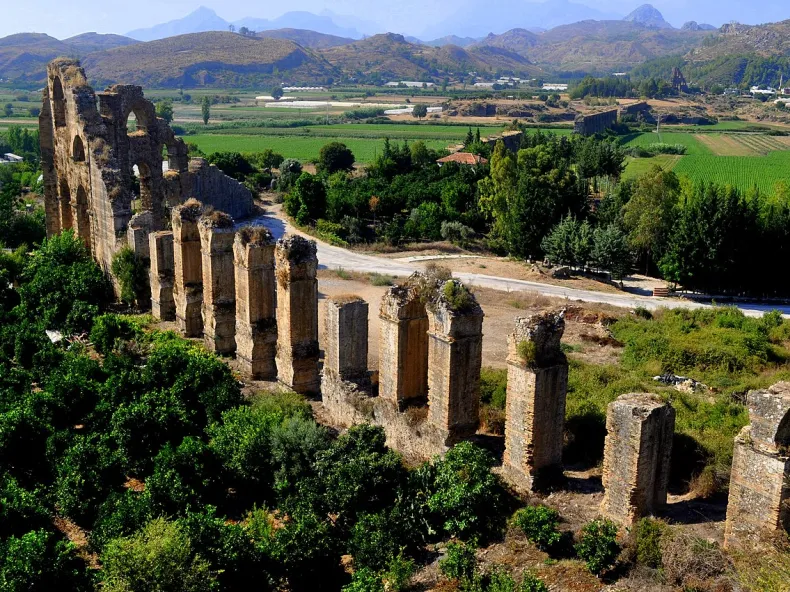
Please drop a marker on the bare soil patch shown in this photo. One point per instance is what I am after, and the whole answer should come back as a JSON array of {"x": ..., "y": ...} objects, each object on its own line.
[{"x": 725, "y": 145}]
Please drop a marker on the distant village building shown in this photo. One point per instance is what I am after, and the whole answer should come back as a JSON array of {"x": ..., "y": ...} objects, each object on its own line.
[
  {"x": 555, "y": 86},
  {"x": 303, "y": 88},
  {"x": 756, "y": 90},
  {"x": 11, "y": 157},
  {"x": 409, "y": 84},
  {"x": 484, "y": 84}
]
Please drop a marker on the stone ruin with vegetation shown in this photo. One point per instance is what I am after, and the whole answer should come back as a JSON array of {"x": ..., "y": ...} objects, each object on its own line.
[{"x": 89, "y": 156}]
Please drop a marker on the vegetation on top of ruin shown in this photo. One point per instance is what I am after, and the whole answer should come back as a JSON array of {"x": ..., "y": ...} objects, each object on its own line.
[{"x": 256, "y": 235}]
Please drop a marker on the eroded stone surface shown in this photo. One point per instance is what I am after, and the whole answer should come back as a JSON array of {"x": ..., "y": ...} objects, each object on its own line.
[
  {"x": 188, "y": 264},
  {"x": 162, "y": 278},
  {"x": 638, "y": 448},
  {"x": 297, "y": 314},
  {"x": 219, "y": 286},
  {"x": 537, "y": 384},
  {"x": 256, "y": 325},
  {"x": 759, "y": 502}
]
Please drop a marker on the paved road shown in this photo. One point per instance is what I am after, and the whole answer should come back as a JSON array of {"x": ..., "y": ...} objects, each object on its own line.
[{"x": 331, "y": 257}]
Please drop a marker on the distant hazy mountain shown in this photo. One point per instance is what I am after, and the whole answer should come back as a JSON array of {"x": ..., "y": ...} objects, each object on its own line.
[
  {"x": 299, "y": 20},
  {"x": 472, "y": 18},
  {"x": 695, "y": 26},
  {"x": 199, "y": 21},
  {"x": 306, "y": 38},
  {"x": 649, "y": 16},
  {"x": 88, "y": 42},
  {"x": 452, "y": 40}
]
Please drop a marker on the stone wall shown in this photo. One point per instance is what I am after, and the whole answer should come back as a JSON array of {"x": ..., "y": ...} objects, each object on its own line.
[
  {"x": 219, "y": 286},
  {"x": 89, "y": 157},
  {"x": 597, "y": 123},
  {"x": 759, "y": 502},
  {"x": 638, "y": 448},
  {"x": 537, "y": 384},
  {"x": 256, "y": 326},
  {"x": 297, "y": 314}
]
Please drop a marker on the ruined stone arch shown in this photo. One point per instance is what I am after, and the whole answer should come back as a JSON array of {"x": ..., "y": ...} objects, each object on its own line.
[
  {"x": 66, "y": 218},
  {"x": 146, "y": 186},
  {"x": 144, "y": 114},
  {"x": 78, "y": 149},
  {"x": 58, "y": 103}
]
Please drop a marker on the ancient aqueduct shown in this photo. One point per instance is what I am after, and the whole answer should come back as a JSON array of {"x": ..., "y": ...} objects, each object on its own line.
[{"x": 247, "y": 295}]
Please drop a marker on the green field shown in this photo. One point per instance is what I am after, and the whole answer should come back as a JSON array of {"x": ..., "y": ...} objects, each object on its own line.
[
  {"x": 302, "y": 148},
  {"x": 636, "y": 167},
  {"x": 693, "y": 146},
  {"x": 743, "y": 172}
]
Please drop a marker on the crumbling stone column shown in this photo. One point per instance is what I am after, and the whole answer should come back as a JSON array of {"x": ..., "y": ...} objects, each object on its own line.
[
  {"x": 346, "y": 348},
  {"x": 160, "y": 246},
  {"x": 455, "y": 355},
  {"x": 637, "y": 455},
  {"x": 256, "y": 325},
  {"x": 759, "y": 502},
  {"x": 219, "y": 286},
  {"x": 188, "y": 265},
  {"x": 297, "y": 314},
  {"x": 403, "y": 346},
  {"x": 537, "y": 383}
]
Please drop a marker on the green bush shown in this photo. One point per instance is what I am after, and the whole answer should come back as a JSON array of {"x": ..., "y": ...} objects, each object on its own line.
[
  {"x": 132, "y": 273},
  {"x": 540, "y": 525},
  {"x": 647, "y": 542},
  {"x": 110, "y": 329},
  {"x": 365, "y": 580},
  {"x": 458, "y": 296},
  {"x": 598, "y": 546},
  {"x": 459, "y": 562},
  {"x": 160, "y": 557},
  {"x": 493, "y": 387},
  {"x": 532, "y": 583}
]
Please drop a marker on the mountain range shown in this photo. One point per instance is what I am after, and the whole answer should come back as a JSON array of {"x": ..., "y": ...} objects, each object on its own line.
[{"x": 299, "y": 55}]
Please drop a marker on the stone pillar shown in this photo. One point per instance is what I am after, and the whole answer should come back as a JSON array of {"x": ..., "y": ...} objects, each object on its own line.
[
  {"x": 297, "y": 314},
  {"x": 346, "y": 348},
  {"x": 759, "y": 502},
  {"x": 160, "y": 247},
  {"x": 455, "y": 355},
  {"x": 537, "y": 383},
  {"x": 219, "y": 286},
  {"x": 403, "y": 346},
  {"x": 256, "y": 325},
  {"x": 140, "y": 227},
  {"x": 637, "y": 455},
  {"x": 188, "y": 266}
]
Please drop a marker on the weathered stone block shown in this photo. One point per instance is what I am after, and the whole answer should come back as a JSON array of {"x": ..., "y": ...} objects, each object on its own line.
[
  {"x": 160, "y": 246},
  {"x": 256, "y": 325},
  {"x": 759, "y": 502},
  {"x": 188, "y": 265},
  {"x": 297, "y": 314},
  {"x": 346, "y": 348},
  {"x": 637, "y": 453},
  {"x": 537, "y": 386},
  {"x": 219, "y": 285}
]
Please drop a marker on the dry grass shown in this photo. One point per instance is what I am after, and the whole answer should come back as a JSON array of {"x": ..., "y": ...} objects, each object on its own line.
[{"x": 694, "y": 563}]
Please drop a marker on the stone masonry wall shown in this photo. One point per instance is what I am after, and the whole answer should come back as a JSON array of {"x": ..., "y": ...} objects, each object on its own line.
[
  {"x": 597, "y": 123},
  {"x": 638, "y": 448},
  {"x": 537, "y": 385},
  {"x": 297, "y": 314},
  {"x": 256, "y": 325},
  {"x": 219, "y": 292},
  {"x": 188, "y": 264},
  {"x": 162, "y": 277},
  {"x": 759, "y": 501}
]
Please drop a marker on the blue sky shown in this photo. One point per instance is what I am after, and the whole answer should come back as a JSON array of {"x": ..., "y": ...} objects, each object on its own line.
[{"x": 62, "y": 18}]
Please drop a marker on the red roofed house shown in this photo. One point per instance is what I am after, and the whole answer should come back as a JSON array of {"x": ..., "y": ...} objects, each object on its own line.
[{"x": 463, "y": 158}]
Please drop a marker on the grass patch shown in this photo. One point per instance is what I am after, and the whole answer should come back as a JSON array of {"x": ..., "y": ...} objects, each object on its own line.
[{"x": 380, "y": 279}]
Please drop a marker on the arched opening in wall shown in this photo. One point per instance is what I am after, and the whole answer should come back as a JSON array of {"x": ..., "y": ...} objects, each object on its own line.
[
  {"x": 78, "y": 150},
  {"x": 137, "y": 121},
  {"x": 141, "y": 188},
  {"x": 782, "y": 438},
  {"x": 58, "y": 103},
  {"x": 83, "y": 217},
  {"x": 414, "y": 387},
  {"x": 66, "y": 220}
]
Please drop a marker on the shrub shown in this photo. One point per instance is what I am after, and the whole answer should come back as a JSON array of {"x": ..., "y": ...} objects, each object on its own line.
[
  {"x": 458, "y": 297},
  {"x": 539, "y": 524},
  {"x": 527, "y": 350},
  {"x": 110, "y": 329},
  {"x": 399, "y": 572},
  {"x": 647, "y": 542},
  {"x": 598, "y": 546},
  {"x": 493, "y": 387},
  {"x": 457, "y": 233},
  {"x": 500, "y": 581},
  {"x": 459, "y": 562},
  {"x": 160, "y": 557},
  {"x": 378, "y": 279},
  {"x": 334, "y": 157},
  {"x": 691, "y": 562},
  {"x": 532, "y": 583},
  {"x": 365, "y": 580}
]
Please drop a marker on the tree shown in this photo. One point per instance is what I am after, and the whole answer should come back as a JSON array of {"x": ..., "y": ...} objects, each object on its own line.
[
  {"x": 205, "y": 108},
  {"x": 334, "y": 157},
  {"x": 419, "y": 110},
  {"x": 650, "y": 212},
  {"x": 132, "y": 273},
  {"x": 610, "y": 251},
  {"x": 232, "y": 28},
  {"x": 277, "y": 93},
  {"x": 160, "y": 557},
  {"x": 164, "y": 109},
  {"x": 233, "y": 164},
  {"x": 34, "y": 111},
  {"x": 307, "y": 199},
  {"x": 8, "y": 110}
]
